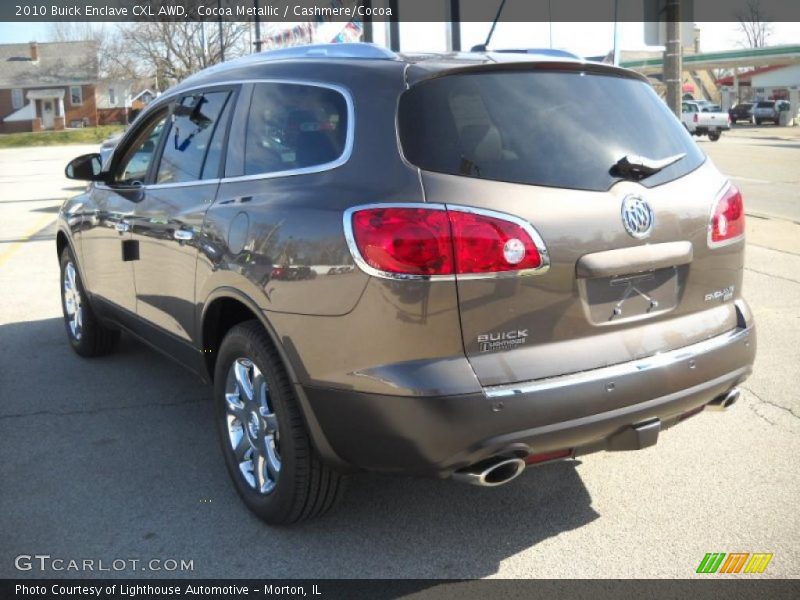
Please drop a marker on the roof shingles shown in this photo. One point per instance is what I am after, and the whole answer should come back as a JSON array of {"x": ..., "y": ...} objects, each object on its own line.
[{"x": 60, "y": 63}]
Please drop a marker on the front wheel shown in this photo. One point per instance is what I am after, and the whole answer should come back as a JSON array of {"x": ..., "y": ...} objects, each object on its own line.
[
  {"x": 714, "y": 136},
  {"x": 267, "y": 450},
  {"x": 86, "y": 334}
]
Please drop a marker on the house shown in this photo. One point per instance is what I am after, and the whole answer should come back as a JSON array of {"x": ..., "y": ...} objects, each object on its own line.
[
  {"x": 47, "y": 86},
  {"x": 119, "y": 101}
]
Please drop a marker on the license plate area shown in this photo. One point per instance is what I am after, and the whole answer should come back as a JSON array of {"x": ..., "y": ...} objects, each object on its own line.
[{"x": 634, "y": 296}]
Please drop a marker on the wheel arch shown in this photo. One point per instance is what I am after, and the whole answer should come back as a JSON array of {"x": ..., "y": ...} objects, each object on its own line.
[{"x": 227, "y": 307}]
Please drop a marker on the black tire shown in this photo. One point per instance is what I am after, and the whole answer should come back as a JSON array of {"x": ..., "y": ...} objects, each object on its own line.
[
  {"x": 91, "y": 338},
  {"x": 304, "y": 486},
  {"x": 714, "y": 136},
  {"x": 758, "y": 121}
]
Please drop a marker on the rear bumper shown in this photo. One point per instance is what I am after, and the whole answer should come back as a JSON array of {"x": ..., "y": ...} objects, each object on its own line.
[{"x": 584, "y": 412}]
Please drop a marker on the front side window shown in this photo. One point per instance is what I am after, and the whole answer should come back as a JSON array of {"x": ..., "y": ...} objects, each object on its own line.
[
  {"x": 132, "y": 168},
  {"x": 112, "y": 96},
  {"x": 294, "y": 126},
  {"x": 76, "y": 95},
  {"x": 16, "y": 98},
  {"x": 190, "y": 137}
]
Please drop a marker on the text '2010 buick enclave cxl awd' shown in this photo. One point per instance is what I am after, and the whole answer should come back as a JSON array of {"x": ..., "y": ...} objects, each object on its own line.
[{"x": 447, "y": 265}]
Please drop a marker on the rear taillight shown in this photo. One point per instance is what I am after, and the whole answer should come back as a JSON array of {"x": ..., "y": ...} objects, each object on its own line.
[
  {"x": 404, "y": 240},
  {"x": 695, "y": 118},
  {"x": 437, "y": 241},
  {"x": 727, "y": 218}
]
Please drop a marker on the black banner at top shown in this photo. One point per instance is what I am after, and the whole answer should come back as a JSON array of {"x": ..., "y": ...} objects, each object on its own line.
[{"x": 392, "y": 10}]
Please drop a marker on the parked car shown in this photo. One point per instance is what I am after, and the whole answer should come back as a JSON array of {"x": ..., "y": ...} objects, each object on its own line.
[
  {"x": 107, "y": 146},
  {"x": 532, "y": 260},
  {"x": 699, "y": 122},
  {"x": 741, "y": 112},
  {"x": 766, "y": 110},
  {"x": 706, "y": 106}
]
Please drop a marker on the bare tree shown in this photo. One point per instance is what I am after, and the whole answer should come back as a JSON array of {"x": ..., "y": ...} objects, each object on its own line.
[
  {"x": 72, "y": 31},
  {"x": 171, "y": 51},
  {"x": 753, "y": 25}
]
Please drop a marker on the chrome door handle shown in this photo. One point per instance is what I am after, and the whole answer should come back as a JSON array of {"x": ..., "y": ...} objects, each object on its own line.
[
  {"x": 122, "y": 226},
  {"x": 183, "y": 235}
]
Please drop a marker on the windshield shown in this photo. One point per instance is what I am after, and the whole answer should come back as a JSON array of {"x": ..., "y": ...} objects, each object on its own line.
[{"x": 551, "y": 128}]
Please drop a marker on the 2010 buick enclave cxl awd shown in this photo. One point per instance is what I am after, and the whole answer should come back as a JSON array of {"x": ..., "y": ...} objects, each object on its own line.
[{"x": 454, "y": 265}]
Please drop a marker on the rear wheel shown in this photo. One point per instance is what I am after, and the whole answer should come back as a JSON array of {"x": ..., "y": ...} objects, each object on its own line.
[
  {"x": 758, "y": 121},
  {"x": 714, "y": 136},
  {"x": 87, "y": 335},
  {"x": 267, "y": 450}
]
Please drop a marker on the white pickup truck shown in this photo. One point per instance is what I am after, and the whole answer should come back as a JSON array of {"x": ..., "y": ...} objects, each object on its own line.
[{"x": 698, "y": 122}]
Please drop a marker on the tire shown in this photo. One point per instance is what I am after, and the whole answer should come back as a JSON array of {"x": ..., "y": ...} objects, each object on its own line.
[
  {"x": 276, "y": 470},
  {"x": 87, "y": 335},
  {"x": 758, "y": 121},
  {"x": 714, "y": 136}
]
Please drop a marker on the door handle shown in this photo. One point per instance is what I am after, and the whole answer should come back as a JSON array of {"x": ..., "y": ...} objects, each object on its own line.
[
  {"x": 122, "y": 226},
  {"x": 183, "y": 235}
]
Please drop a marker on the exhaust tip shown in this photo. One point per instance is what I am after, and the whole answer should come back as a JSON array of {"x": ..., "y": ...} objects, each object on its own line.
[
  {"x": 497, "y": 473},
  {"x": 725, "y": 401}
]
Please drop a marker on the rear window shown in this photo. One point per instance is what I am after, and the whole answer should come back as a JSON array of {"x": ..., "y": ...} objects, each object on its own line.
[
  {"x": 550, "y": 128},
  {"x": 765, "y": 105}
]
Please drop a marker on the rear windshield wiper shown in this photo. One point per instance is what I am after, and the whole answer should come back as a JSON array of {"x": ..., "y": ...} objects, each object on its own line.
[{"x": 635, "y": 167}]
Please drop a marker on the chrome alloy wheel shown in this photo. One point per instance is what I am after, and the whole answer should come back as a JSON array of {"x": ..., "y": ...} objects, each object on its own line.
[
  {"x": 72, "y": 302},
  {"x": 252, "y": 425}
]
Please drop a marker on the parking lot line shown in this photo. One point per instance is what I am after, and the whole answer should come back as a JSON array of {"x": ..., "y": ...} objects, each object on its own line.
[{"x": 41, "y": 223}]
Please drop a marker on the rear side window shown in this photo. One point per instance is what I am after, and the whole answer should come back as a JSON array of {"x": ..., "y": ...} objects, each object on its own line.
[
  {"x": 550, "y": 128},
  {"x": 189, "y": 138},
  {"x": 294, "y": 126}
]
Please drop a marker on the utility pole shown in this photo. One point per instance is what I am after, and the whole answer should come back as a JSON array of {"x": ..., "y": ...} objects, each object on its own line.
[
  {"x": 454, "y": 26},
  {"x": 221, "y": 34},
  {"x": 394, "y": 26},
  {"x": 673, "y": 62},
  {"x": 257, "y": 20},
  {"x": 367, "y": 22}
]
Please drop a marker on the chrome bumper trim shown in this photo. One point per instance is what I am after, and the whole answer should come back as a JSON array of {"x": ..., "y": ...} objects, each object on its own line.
[{"x": 619, "y": 370}]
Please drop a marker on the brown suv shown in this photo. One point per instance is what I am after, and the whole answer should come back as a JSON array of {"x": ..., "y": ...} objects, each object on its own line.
[{"x": 445, "y": 265}]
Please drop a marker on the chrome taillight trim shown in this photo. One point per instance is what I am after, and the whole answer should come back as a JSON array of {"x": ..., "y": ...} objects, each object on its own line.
[
  {"x": 710, "y": 227},
  {"x": 347, "y": 219}
]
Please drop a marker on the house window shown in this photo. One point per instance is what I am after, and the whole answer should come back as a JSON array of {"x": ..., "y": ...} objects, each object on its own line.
[
  {"x": 75, "y": 95},
  {"x": 16, "y": 98},
  {"x": 112, "y": 97}
]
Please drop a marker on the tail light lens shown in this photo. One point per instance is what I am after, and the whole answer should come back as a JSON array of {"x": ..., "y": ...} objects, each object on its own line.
[
  {"x": 696, "y": 118},
  {"x": 432, "y": 241},
  {"x": 727, "y": 218},
  {"x": 404, "y": 241},
  {"x": 489, "y": 244}
]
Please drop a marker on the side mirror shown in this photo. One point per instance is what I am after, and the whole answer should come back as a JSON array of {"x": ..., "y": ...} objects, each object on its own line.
[{"x": 87, "y": 167}]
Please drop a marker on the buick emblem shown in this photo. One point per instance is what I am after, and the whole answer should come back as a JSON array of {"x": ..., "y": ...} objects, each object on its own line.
[{"x": 637, "y": 216}]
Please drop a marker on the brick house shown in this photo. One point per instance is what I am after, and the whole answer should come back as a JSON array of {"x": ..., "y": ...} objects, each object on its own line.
[{"x": 48, "y": 86}]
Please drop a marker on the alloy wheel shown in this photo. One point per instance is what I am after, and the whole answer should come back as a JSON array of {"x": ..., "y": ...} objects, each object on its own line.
[
  {"x": 72, "y": 302},
  {"x": 252, "y": 425}
]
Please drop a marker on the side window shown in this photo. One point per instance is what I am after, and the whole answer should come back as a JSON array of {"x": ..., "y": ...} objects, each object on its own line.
[
  {"x": 216, "y": 148},
  {"x": 189, "y": 138},
  {"x": 294, "y": 126},
  {"x": 132, "y": 168}
]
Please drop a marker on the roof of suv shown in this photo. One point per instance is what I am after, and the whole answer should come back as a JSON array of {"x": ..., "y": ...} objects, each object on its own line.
[{"x": 419, "y": 65}]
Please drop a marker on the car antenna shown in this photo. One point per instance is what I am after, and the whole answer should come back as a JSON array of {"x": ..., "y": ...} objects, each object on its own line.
[{"x": 482, "y": 47}]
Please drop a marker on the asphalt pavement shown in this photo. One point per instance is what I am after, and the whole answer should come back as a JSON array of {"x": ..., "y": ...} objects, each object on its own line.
[{"x": 117, "y": 458}]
